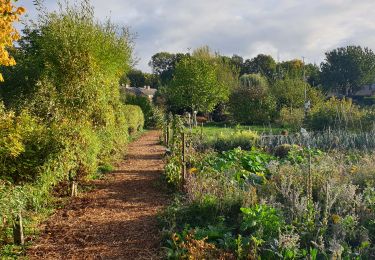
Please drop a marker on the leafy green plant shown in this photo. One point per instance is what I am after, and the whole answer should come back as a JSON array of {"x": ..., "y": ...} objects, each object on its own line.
[{"x": 261, "y": 221}]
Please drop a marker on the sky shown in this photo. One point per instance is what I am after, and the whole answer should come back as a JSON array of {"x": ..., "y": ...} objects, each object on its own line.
[{"x": 284, "y": 29}]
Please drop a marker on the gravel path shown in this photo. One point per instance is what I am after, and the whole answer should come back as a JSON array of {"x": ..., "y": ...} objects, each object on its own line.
[{"x": 117, "y": 220}]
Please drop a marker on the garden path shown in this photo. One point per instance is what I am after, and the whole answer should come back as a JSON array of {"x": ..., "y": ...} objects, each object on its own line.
[{"x": 116, "y": 220}]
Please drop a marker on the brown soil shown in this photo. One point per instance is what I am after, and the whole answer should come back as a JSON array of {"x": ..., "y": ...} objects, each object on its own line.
[{"x": 117, "y": 220}]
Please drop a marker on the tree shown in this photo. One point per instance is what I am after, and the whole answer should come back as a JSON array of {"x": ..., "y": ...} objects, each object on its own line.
[
  {"x": 8, "y": 34},
  {"x": 164, "y": 63},
  {"x": 312, "y": 74},
  {"x": 290, "y": 69},
  {"x": 290, "y": 93},
  {"x": 200, "y": 82},
  {"x": 347, "y": 69},
  {"x": 237, "y": 61},
  {"x": 261, "y": 64},
  {"x": 136, "y": 78},
  {"x": 152, "y": 80},
  {"x": 252, "y": 102}
]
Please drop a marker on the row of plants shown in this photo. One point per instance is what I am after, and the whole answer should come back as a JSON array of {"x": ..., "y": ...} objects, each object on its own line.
[
  {"x": 61, "y": 117},
  {"x": 285, "y": 202}
]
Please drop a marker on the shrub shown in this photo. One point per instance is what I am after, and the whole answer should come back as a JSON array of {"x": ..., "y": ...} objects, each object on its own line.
[
  {"x": 153, "y": 115},
  {"x": 68, "y": 118},
  {"x": 145, "y": 104},
  {"x": 252, "y": 101},
  {"x": 244, "y": 139},
  {"x": 134, "y": 118},
  {"x": 335, "y": 113},
  {"x": 291, "y": 118}
]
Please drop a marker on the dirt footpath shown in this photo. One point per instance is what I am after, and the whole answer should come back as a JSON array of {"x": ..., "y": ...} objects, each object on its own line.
[{"x": 117, "y": 220}]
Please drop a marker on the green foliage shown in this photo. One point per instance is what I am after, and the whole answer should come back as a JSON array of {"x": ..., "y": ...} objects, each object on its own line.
[
  {"x": 262, "y": 64},
  {"x": 223, "y": 142},
  {"x": 347, "y": 69},
  {"x": 164, "y": 64},
  {"x": 134, "y": 118},
  {"x": 136, "y": 78},
  {"x": 291, "y": 118},
  {"x": 145, "y": 104},
  {"x": 335, "y": 113},
  {"x": 262, "y": 221},
  {"x": 252, "y": 102},
  {"x": 290, "y": 93},
  {"x": 68, "y": 120},
  {"x": 200, "y": 82},
  {"x": 248, "y": 204}
]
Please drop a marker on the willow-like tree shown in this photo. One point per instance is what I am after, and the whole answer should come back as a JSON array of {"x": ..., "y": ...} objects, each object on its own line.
[{"x": 252, "y": 102}]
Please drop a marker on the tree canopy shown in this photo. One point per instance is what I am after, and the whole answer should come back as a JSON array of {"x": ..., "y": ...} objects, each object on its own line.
[
  {"x": 200, "y": 82},
  {"x": 347, "y": 69},
  {"x": 262, "y": 64},
  {"x": 163, "y": 64},
  {"x": 252, "y": 102}
]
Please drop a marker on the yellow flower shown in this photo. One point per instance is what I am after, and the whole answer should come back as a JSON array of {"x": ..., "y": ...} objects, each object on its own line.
[
  {"x": 353, "y": 169},
  {"x": 193, "y": 170},
  {"x": 336, "y": 219}
]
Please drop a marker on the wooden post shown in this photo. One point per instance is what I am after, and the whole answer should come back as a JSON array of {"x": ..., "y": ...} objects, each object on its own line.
[
  {"x": 309, "y": 181},
  {"x": 202, "y": 132},
  {"x": 168, "y": 133},
  {"x": 74, "y": 189},
  {"x": 165, "y": 136},
  {"x": 183, "y": 157},
  {"x": 18, "y": 230}
]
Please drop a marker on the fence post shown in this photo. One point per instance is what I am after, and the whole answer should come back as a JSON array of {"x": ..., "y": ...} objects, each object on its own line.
[
  {"x": 183, "y": 157},
  {"x": 74, "y": 189},
  {"x": 202, "y": 131},
  {"x": 309, "y": 180},
  {"x": 168, "y": 133},
  {"x": 18, "y": 230}
]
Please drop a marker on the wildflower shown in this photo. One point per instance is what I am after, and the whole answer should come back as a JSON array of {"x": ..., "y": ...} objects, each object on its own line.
[
  {"x": 354, "y": 169},
  {"x": 336, "y": 219},
  {"x": 193, "y": 170}
]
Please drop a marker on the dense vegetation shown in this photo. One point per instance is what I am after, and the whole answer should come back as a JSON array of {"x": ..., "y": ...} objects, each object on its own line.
[
  {"x": 291, "y": 178},
  {"x": 283, "y": 200},
  {"x": 61, "y": 116}
]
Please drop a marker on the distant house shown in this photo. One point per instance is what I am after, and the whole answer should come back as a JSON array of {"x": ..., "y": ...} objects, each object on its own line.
[
  {"x": 366, "y": 91},
  {"x": 146, "y": 91}
]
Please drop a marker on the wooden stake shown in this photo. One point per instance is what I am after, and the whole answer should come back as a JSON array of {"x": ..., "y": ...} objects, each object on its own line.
[
  {"x": 74, "y": 189},
  {"x": 168, "y": 133},
  {"x": 183, "y": 157},
  {"x": 18, "y": 230}
]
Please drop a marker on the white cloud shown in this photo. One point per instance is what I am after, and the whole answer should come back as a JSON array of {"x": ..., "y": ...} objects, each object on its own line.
[{"x": 290, "y": 28}]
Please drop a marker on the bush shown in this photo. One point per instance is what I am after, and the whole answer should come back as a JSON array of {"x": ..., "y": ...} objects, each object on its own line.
[
  {"x": 153, "y": 115},
  {"x": 252, "y": 101},
  {"x": 68, "y": 118},
  {"x": 134, "y": 118},
  {"x": 335, "y": 113},
  {"x": 244, "y": 139},
  {"x": 291, "y": 118}
]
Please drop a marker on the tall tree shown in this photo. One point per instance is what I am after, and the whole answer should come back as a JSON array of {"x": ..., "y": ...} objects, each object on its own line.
[
  {"x": 261, "y": 64},
  {"x": 200, "y": 82},
  {"x": 136, "y": 78},
  {"x": 347, "y": 69},
  {"x": 290, "y": 69},
  {"x": 164, "y": 63}
]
